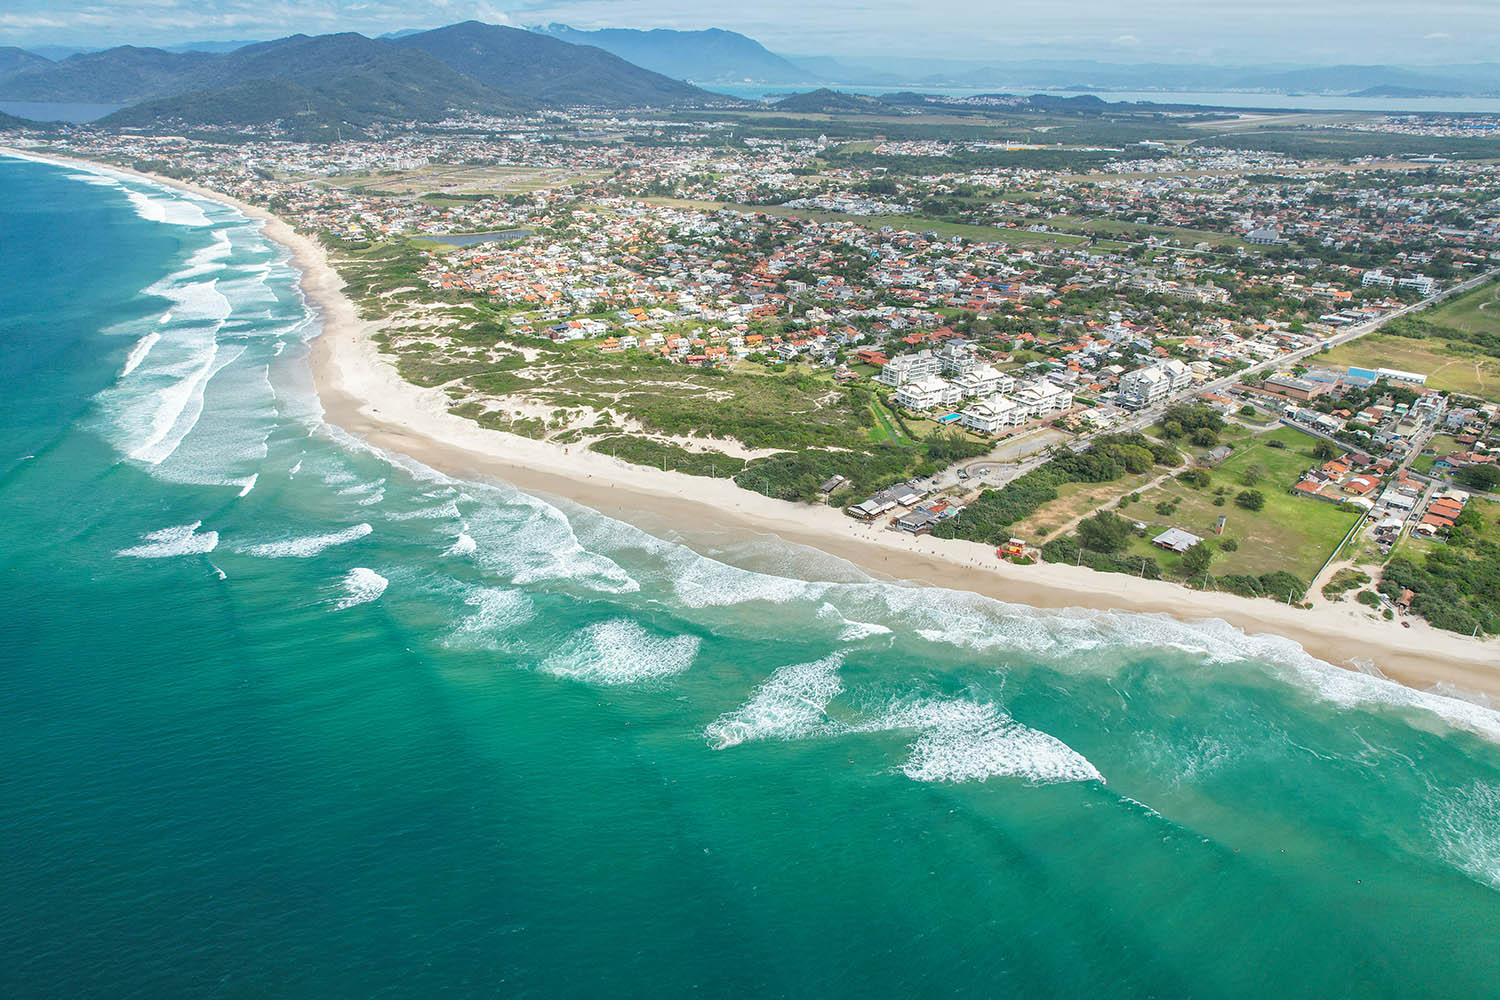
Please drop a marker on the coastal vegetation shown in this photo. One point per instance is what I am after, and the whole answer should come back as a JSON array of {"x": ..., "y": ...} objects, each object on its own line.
[
  {"x": 1455, "y": 583},
  {"x": 989, "y": 517}
]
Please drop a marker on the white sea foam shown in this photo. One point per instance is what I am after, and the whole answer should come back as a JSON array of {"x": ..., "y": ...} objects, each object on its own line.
[
  {"x": 850, "y": 631},
  {"x": 307, "y": 546},
  {"x": 247, "y": 484},
  {"x": 177, "y": 408},
  {"x": 182, "y": 540},
  {"x": 373, "y": 498},
  {"x": 138, "y": 353},
  {"x": 463, "y": 545},
  {"x": 620, "y": 651},
  {"x": 1465, "y": 822},
  {"x": 296, "y": 468},
  {"x": 497, "y": 610},
  {"x": 971, "y": 741},
  {"x": 174, "y": 211},
  {"x": 790, "y": 704},
  {"x": 361, "y": 586},
  {"x": 360, "y": 488},
  {"x": 436, "y": 512}
]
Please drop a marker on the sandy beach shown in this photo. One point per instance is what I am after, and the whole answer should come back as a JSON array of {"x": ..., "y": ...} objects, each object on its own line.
[{"x": 362, "y": 393}]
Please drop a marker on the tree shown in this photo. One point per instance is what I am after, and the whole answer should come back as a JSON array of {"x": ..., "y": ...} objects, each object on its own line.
[
  {"x": 1324, "y": 451},
  {"x": 1172, "y": 429},
  {"x": 1253, "y": 474},
  {"x": 1484, "y": 477},
  {"x": 1247, "y": 410},
  {"x": 1203, "y": 437},
  {"x": 1196, "y": 559},
  {"x": 1251, "y": 499},
  {"x": 1104, "y": 532}
]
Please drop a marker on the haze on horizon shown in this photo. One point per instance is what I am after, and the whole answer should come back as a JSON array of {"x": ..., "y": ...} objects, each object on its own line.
[{"x": 1226, "y": 32}]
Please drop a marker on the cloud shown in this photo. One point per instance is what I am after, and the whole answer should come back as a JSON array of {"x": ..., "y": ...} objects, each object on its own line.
[
  {"x": 1125, "y": 41},
  {"x": 1437, "y": 36}
]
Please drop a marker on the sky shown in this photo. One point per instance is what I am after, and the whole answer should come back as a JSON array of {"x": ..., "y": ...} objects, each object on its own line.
[{"x": 1235, "y": 32}]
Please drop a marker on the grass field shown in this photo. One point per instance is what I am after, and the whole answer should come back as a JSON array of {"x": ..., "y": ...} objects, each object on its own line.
[
  {"x": 1138, "y": 232},
  {"x": 1448, "y": 368},
  {"x": 1474, "y": 312},
  {"x": 903, "y": 223},
  {"x": 1075, "y": 500},
  {"x": 1291, "y": 533}
]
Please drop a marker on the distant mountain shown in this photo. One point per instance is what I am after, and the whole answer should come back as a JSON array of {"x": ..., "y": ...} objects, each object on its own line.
[
  {"x": 544, "y": 70},
  {"x": 825, "y": 101},
  {"x": 120, "y": 75},
  {"x": 209, "y": 46},
  {"x": 1345, "y": 79},
  {"x": 347, "y": 80},
  {"x": 1390, "y": 90},
  {"x": 326, "y": 79},
  {"x": 826, "y": 70},
  {"x": 14, "y": 60},
  {"x": 709, "y": 56}
]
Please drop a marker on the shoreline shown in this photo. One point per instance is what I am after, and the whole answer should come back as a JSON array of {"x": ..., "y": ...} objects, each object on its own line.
[{"x": 350, "y": 376}]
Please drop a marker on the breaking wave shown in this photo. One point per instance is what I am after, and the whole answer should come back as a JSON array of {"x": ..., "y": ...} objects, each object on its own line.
[
  {"x": 182, "y": 540},
  {"x": 361, "y": 586},
  {"x": 620, "y": 651},
  {"x": 792, "y": 703},
  {"x": 306, "y": 546}
]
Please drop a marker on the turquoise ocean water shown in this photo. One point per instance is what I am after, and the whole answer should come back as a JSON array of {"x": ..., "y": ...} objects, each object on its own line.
[{"x": 283, "y": 716}]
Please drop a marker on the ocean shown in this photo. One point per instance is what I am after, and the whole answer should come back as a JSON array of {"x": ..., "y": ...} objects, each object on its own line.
[{"x": 283, "y": 715}]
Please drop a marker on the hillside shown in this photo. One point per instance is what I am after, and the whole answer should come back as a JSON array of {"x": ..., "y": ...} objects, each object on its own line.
[
  {"x": 328, "y": 79},
  {"x": 709, "y": 56},
  {"x": 539, "y": 69},
  {"x": 825, "y": 101},
  {"x": 122, "y": 75},
  {"x": 14, "y": 60},
  {"x": 346, "y": 79}
]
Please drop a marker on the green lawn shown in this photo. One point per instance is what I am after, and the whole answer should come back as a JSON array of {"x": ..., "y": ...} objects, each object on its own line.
[
  {"x": 1477, "y": 311},
  {"x": 1291, "y": 533}
]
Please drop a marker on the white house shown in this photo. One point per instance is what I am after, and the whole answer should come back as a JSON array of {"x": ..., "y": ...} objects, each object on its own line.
[
  {"x": 908, "y": 368},
  {"x": 990, "y": 415},
  {"x": 1143, "y": 387},
  {"x": 984, "y": 381},
  {"x": 927, "y": 393},
  {"x": 1041, "y": 398}
]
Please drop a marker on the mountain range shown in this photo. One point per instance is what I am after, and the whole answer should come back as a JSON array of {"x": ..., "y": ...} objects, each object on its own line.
[
  {"x": 543, "y": 70},
  {"x": 345, "y": 79},
  {"x": 709, "y": 56}
]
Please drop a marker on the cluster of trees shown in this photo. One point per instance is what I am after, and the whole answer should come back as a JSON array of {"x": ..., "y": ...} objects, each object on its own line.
[
  {"x": 666, "y": 455},
  {"x": 1456, "y": 586},
  {"x": 796, "y": 475},
  {"x": 988, "y": 518},
  {"x": 1067, "y": 550},
  {"x": 1200, "y": 424}
]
